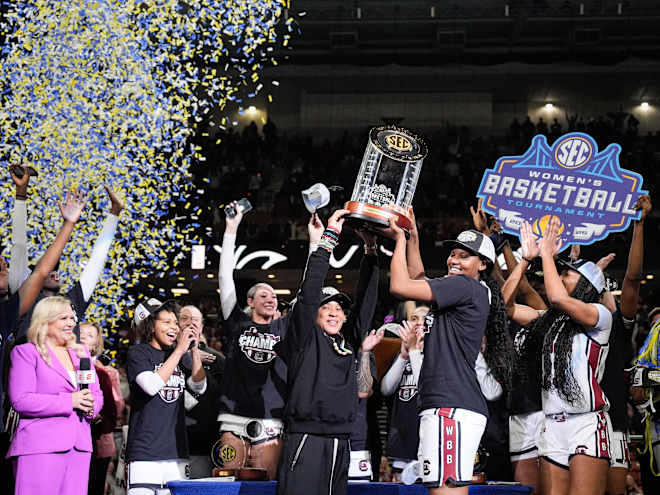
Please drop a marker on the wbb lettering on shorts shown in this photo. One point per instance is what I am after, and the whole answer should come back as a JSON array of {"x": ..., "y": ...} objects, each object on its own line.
[{"x": 257, "y": 346}]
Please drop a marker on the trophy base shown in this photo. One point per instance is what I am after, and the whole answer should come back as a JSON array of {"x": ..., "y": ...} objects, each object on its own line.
[
  {"x": 374, "y": 217},
  {"x": 242, "y": 474}
]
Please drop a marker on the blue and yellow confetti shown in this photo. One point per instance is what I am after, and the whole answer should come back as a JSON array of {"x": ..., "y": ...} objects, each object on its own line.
[{"x": 111, "y": 91}]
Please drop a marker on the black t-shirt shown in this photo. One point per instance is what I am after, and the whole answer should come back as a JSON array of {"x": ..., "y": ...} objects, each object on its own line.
[
  {"x": 157, "y": 426},
  {"x": 254, "y": 380},
  {"x": 613, "y": 382},
  {"x": 457, "y": 322},
  {"x": 78, "y": 302},
  {"x": 403, "y": 435},
  {"x": 360, "y": 426},
  {"x": 526, "y": 392}
]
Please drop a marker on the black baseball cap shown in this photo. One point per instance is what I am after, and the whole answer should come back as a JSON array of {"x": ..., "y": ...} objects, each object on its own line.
[{"x": 331, "y": 294}]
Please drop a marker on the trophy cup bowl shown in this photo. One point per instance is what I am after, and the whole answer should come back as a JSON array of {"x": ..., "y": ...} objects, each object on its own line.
[{"x": 386, "y": 183}]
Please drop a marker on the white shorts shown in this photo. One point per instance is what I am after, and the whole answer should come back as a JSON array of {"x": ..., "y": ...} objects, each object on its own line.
[
  {"x": 449, "y": 439},
  {"x": 566, "y": 435},
  {"x": 360, "y": 467},
  {"x": 155, "y": 474},
  {"x": 619, "y": 450},
  {"x": 524, "y": 433}
]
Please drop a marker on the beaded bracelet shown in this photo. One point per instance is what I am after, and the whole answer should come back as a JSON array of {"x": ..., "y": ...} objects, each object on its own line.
[{"x": 329, "y": 240}]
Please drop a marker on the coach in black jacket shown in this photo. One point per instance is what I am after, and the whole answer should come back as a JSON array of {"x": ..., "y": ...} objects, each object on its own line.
[{"x": 324, "y": 378}]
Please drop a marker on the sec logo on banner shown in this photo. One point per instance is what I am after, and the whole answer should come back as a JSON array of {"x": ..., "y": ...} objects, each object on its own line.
[{"x": 586, "y": 189}]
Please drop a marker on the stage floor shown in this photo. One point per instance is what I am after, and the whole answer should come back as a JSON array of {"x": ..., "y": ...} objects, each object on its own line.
[{"x": 214, "y": 487}]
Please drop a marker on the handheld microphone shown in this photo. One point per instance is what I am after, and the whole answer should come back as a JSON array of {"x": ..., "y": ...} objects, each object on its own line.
[{"x": 85, "y": 376}]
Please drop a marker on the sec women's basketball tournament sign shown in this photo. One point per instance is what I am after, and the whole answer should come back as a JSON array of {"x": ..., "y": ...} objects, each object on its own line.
[{"x": 586, "y": 189}]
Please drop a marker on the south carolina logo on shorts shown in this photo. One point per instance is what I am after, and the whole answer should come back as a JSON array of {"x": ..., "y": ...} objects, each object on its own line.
[
  {"x": 174, "y": 386},
  {"x": 258, "y": 347},
  {"x": 364, "y": 465}
]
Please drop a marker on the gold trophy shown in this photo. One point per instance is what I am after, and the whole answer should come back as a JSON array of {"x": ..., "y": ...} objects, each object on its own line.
[{"x": 387, "y": 180}]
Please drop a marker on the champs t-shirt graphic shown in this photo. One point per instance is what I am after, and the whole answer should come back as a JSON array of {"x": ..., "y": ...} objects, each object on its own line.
[
  {"x": 408, "y": 386},
  {"x": 174, "y": 386},
  {"x": 258, "y": 347}
]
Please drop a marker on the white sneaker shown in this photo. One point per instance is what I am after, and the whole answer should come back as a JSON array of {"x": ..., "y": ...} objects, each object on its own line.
[{"x": 410, "y": 473}]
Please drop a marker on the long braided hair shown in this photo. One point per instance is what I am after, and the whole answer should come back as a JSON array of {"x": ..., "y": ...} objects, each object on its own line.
[
  {"x": 499, "y": 353},
  {"x": 559, "y": 339},
  {"x": 554, "y": 328}
]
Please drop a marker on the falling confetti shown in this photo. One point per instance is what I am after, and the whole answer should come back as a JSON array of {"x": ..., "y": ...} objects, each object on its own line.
[{"x": 111, "y": 91}]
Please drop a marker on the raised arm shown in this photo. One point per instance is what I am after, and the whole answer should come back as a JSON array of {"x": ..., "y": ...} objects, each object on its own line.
[
  {"x": 18, "y": 269},
  {"x": 579, "y": 311},
  {"x": 633, "y": 276},
  {"x": 527, "y": 293},
  {"x": 401, "y": 285},
  {"x": 366, "y": 293},
  {"x": 303, "y": 316},
  {"x": 365, "y": 379},
  {"x": 94, "y": 267},
  {"x": 413, "y": 256},
  {"x": 71, "y": 211},
  {"x": 520, "y": 313},
  {"x": 227, "y": 263}
]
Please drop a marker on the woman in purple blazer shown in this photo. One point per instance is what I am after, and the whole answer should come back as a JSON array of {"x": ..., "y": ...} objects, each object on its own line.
[{"x": 52, "y": 445}]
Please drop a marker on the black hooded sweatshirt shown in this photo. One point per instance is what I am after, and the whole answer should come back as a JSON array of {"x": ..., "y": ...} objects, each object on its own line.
[{"x": 321, "y": 382}]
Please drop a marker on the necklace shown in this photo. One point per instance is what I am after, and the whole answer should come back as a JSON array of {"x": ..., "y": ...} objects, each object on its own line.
[{"x": 340, "y": 348}]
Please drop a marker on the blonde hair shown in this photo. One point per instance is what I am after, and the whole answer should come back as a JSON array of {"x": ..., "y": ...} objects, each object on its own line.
[
  {"x": 45, "y": 312},
  {"x": 98, "y": 348}
]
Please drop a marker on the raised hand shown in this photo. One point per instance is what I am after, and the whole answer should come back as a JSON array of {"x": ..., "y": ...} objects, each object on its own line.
[
  {"x": 336, "y": 220},
  {"x": 372, "y": 339},
  {"x": 575, "y": 252},
  {"x": 22, "y": 182},
  {"x": 115, "y": 203},
  {"x": 479, "y": 218},
  {"x": 605, "y": 261},
  {"x": 644, "y": 204},
  {"x": 393, "y": 231},
  {"x": 315, "y": 229},
  {"x": 233, "y": 222},
  {"x": 551, "y": 242},
  {"x": 528, "y": 244},
  {"x": 404, "y": 335},
  {"x": 419, "y": 339},
  {"x": 73, "y": 206}
]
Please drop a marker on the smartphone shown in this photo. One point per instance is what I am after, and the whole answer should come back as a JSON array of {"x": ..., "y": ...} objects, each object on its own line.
[
  {"x": 18, "y": 171},
  {"x": 243, "y": 207}
]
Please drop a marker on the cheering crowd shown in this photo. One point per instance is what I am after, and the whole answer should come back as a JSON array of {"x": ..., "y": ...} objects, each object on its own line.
[{"x": 480, "y": 349}]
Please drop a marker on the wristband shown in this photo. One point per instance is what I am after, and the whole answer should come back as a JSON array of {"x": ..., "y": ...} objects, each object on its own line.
[
  {"x": 329, "y": 240},
  {"x": 528, "y": 260}
]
